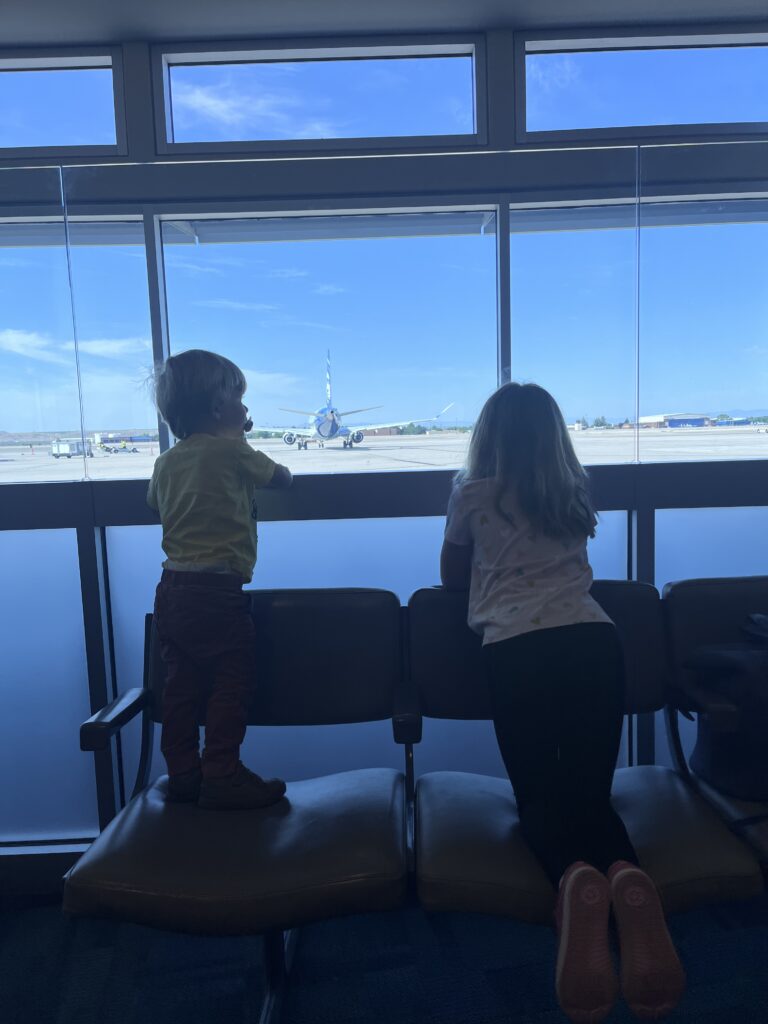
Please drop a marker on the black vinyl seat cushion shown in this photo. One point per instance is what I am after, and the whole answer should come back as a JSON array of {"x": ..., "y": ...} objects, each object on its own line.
[
  {"x": 335, "y": 846},
  {"x": 749, "y": 816},
  {"x": 470, "y": 854}
]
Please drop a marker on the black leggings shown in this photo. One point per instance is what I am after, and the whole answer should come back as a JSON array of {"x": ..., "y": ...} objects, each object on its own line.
[{"x": 558, "y": 704}]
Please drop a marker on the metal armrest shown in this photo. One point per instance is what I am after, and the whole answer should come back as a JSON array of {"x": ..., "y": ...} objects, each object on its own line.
[
  {"x": 406, "y": 727},
  {"x": 687, "y": 696},
  {"x": 96, "y": 733}
]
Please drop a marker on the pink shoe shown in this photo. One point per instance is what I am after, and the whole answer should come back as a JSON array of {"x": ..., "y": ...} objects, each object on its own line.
[
  {"x": 585, "y": 980},
  {"x": 652, "y": 977}
]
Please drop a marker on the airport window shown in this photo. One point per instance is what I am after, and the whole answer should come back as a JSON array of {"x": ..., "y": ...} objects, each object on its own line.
[
  {"x": 41, "y": 436},
  {"x": 573, "y": 284},
  {"x": 319, "y": 96},
  {"x": 703, "y": 310},
  {"x": 616, "y": 84},
  {"x": 369, "y": 341},
  {"x": 48, "y": 382},
  {"x": 109, "y": 284},
  {"x": 54, "y": 107}
]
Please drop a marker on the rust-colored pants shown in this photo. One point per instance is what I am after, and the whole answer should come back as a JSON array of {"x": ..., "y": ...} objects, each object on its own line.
[{"x": 207, "y": 644}]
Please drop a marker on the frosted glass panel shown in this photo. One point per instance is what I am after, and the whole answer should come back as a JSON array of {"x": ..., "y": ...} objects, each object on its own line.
[
  {"x": 49, "y": 788},
  {"x": 702, "y": 542},
  {"x": 401, "y": 555},
  {"x": 696, "y": 543},
  {"x": 608, "y": 548},
  {"x": 134, "y": 555}
]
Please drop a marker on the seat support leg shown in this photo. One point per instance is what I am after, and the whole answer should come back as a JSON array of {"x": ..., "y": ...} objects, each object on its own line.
[{"x": 279, "y": 948}]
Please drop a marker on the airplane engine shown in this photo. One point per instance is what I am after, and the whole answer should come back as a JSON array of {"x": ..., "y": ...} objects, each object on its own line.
[
  {"x": 357, "y": 437},
  {"x": 289, "y": 438}
]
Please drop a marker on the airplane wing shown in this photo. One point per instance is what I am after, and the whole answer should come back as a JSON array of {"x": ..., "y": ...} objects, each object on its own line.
[
  {"x": 297, "y": 431},
  {"x": 351, "y": 412},
  {"x": 400, "y": 423}
]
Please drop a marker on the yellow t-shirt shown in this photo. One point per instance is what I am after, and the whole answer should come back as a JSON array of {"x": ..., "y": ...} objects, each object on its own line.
[{"x": 203, "y": 489}]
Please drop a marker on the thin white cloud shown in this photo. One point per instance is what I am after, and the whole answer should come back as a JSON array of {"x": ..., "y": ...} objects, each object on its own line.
[
  {"x": 552, "y": 72},
  {"x": 111, "y": 348},
  {"x": 232, "y": 304},
  {"x": 192, "y": 268},
  {"x": 252, "y": 112},
  {"x": 288, "y": 272},
  {"x": 328, "y": 289},
  {"x": 288, "y": 322},
  {"x": 31, "y": 345},
  {"x": 211, "y": 104}
]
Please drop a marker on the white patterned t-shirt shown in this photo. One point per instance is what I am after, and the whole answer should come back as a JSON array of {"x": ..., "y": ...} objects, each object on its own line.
[{"x": 521, "y": 579}]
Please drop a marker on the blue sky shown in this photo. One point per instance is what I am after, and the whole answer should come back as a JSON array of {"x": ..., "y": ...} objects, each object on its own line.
[{"x": 410, "y": 321}]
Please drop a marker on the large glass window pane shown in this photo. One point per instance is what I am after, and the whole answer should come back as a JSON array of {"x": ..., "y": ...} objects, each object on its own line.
[
  {"x": 49, "y": 785},
  {"x": 40, "y": 426},
  {"x": 109, "y": 279},
  {"x": 56, "y": 107},
  {"x": 623, "y": 87},
  {"x": 703, "y": 320},
  {"x": 573, "y": 287},
  {"x": 322, "y": 99},
  {"x": 384, "y": 324}
]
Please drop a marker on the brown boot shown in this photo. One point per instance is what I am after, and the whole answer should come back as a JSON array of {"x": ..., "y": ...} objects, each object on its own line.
[{"x": 243, "y": 790}]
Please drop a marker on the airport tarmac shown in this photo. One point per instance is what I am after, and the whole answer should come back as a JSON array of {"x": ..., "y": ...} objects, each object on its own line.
[{"x": 444, "y": 450}]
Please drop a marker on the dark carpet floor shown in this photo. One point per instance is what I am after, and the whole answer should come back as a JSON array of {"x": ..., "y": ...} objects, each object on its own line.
[{"x": 404, "y": 967}]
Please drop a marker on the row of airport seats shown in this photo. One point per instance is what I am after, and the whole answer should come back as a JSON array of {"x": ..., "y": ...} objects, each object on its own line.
[{"x": 374, "y": 839}]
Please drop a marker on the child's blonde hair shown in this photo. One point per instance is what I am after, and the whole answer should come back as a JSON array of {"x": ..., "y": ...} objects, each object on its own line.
[
  {"x": 520, "y": 440},
  {"x": 188, "y": 386}
]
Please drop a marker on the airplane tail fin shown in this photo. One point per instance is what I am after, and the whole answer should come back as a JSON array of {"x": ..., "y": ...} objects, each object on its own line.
[{"x": 328, "y": 379}]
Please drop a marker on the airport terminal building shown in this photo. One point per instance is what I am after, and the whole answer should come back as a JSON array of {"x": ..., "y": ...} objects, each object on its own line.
[{"x": 379, "y": 213}]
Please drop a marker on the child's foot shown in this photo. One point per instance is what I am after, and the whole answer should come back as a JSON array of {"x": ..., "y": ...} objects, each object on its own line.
[
  {"x": 184, "y": 788},
  {"x": 241, "y": 790},
  {"x": 652, "y": 977},
  {"x": 585, "y": 981}
]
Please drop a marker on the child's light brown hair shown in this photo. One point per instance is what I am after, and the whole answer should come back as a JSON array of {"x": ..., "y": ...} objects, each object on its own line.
[
  {"x": 188, "y": 386},
  {"x": 520, "y": 441}
]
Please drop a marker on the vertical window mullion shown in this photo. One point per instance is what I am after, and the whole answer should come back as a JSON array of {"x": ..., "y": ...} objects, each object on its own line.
[
  {"x": 158, "y": 310},
  {"x": 503, "y": 294}
]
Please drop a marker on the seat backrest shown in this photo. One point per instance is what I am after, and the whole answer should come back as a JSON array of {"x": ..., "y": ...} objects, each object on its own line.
[
  {"x": 700, "y": 613},
  {"x": 323, "y": 657},
  {"x": 444, "y": 654}
]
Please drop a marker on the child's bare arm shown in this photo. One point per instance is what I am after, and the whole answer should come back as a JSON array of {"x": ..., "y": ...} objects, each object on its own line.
[
  {"x": 281, "y": 477},
  {"x": 455, "y": 565}
]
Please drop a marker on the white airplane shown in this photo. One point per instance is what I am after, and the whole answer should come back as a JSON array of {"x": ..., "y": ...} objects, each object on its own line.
[{"x": 325, "y": 424}]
